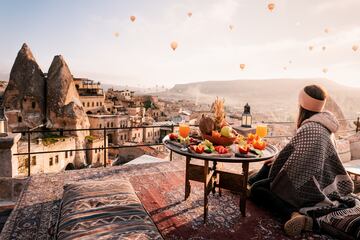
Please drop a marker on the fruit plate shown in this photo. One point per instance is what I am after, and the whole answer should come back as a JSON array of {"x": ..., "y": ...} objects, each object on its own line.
[
  {"x": 224, "y": 141},
  {"x": 213, "y": 154}
]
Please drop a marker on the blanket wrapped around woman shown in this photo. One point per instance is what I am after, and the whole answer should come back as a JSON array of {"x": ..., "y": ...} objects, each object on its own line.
[{"x": 309, "y": 175}]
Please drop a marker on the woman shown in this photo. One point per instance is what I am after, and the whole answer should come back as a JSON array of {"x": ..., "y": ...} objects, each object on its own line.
[{"x": 307, "y": 174}]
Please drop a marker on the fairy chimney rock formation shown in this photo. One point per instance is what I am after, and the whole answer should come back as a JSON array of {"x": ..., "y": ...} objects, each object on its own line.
[
  {"x": 24, "y": 97},
  {"x": 63, "y": 105},
  {"x": 64, "y": 109}
]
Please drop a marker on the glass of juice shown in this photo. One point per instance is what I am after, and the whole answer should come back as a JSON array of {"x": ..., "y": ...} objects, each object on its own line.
[
  {"x": 261, "y": 130},
  {"x": 184, "y": 130}
]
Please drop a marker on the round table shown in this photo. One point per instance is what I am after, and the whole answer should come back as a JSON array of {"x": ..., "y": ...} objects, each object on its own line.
[{"x": 215, "y": 177}]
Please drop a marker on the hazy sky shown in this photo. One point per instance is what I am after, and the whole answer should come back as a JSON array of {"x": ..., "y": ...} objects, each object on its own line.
[{"x": 83, "y": 31}]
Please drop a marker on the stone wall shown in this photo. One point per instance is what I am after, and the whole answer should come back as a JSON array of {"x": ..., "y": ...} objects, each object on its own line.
[{"x": 10, "y": 185}]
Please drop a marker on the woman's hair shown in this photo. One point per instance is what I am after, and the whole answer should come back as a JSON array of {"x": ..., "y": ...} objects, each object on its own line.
[{"x": 313, "y": 91}]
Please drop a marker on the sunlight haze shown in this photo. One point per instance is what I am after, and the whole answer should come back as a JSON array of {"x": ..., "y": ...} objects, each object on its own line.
[{"x": 99, "y": 41}]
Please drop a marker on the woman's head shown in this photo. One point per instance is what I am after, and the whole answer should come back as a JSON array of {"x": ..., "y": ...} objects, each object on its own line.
[{"x": 311, "y": 101}]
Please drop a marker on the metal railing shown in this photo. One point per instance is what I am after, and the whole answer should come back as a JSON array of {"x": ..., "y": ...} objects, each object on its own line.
[
  {"x": 106, "y": 130},
  {"x": 105, "y": 146}
]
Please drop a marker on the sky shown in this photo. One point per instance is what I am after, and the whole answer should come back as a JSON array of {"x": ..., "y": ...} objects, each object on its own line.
[{"x": 271, "y": 44}]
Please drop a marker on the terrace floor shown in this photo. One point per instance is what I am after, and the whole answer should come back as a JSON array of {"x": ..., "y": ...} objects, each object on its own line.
[{"x": 160, "y": 187}]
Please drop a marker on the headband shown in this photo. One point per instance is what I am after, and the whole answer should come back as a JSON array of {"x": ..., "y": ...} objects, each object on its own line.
[{"x": 310, "y": 103}]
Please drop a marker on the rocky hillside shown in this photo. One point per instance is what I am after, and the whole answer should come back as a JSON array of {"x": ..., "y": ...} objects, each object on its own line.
[{"x": 274, "y": 98}]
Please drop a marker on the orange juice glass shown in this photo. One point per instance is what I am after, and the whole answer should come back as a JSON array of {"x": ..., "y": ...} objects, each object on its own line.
[
  {"x": 184, "y": 130},
  {"x": 261, "y": 131}
]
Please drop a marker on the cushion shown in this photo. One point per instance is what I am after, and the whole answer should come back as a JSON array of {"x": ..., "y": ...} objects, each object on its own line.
[
  {"x": 343, "y": 149},
  {"x": 103, "y": 210}
]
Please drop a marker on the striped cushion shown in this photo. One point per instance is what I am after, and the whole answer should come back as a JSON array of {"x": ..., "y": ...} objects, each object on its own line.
[{"x": 103, "y": 210}]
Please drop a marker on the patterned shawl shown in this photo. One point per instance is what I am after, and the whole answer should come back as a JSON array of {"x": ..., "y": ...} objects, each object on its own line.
[{"x": 308, "y": 172}]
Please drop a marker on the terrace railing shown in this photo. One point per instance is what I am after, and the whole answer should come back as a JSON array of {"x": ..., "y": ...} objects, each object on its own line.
[
  {"x": 105, "y": 147},
  {"x": 106, "y": 130}
]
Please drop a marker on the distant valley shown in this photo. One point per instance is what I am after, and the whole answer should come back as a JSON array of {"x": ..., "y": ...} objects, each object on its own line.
[{"x": 276, "y": 98}]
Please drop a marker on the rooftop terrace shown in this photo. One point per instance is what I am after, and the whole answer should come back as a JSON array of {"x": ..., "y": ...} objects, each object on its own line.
[{"x": 160, "y": 187}]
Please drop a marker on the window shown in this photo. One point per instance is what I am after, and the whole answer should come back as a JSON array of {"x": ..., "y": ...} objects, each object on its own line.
[
  {"x": 70, "y": 153},
  {"x": 100, "y": 126},
  {"x": 66, "y": 154},
  {"x": 19, "y": 119},
  {"x": 83, "y": 104},
  {"x": 108, "y": 124},
  {"x": 112, "y": 124},
  {"x": 56, "y": 159},
  {"x": 88, "y": 104},
  {"x": 97, "y": 104},
  {"x": 100, "y": 103},
  {"x": 33, "y": 160},
  {"x": 33, "y": 104},
  {"x": 148, "y": 134},
  {"x": 92, "y": 104},
  {"x": 138, "y": 134},
  {"x": 125, "y": 137},
  {"x": 51, "y": 161},
  {"x": 121, "y": 137},
  {"x": 95, "y": 150},
  {"x": 108, "y": 109}
]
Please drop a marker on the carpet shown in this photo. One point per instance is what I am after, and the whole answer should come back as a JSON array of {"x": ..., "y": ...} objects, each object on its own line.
[{"x": 162, "y": 195}]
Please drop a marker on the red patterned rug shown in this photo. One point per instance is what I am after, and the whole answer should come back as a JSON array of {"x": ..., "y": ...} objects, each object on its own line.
[{"x": 163, "y": 197}]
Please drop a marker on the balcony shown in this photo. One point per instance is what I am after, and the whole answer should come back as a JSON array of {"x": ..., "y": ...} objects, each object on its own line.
[{"x": 159, "y": 184}]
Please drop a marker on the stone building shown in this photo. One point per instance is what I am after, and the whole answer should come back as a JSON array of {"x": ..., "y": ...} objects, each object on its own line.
[
  {"x": 115, "y": 136},
  {"x": 91, "y": 95},
  {"x": 95, "y": 157},
  {"x": 47, "y": 162}
]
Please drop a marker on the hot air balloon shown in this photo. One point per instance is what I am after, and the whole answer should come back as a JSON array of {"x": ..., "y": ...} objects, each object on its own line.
[
  {"x": 290, "y": 62},
  {"x": 189, "y": 14},
  {"x": 285, "y": 68},
  {"x": 231, "y": 27},
  {"x": 326, "y": 30},
  {"x": 132, "y": 18},
  {"x": 355, "y": 47},
  {"x": 325, "y": 70},
  {"x": 311, "y": 48},
  {"x": 271, "y": 6},
  {"x": 242, "y": 66},
  {"x": 116, "y": 34},
  {"x": 174, "y": 45},
  {"x": 323, "y": 48}
]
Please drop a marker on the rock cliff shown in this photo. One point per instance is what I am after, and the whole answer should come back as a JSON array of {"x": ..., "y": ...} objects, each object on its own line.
[
  {"x": 26, "y": 90},
  {"x": 64, "y": 108}
]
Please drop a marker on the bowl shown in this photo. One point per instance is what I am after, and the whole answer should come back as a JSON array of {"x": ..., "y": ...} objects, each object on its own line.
[{"x": 224, "y": 141}]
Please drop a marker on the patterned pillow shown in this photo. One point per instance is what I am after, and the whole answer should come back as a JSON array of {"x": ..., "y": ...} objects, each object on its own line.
[
  {"x": 103, "y": 210},
  {"x": 343, "y": 149}
]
